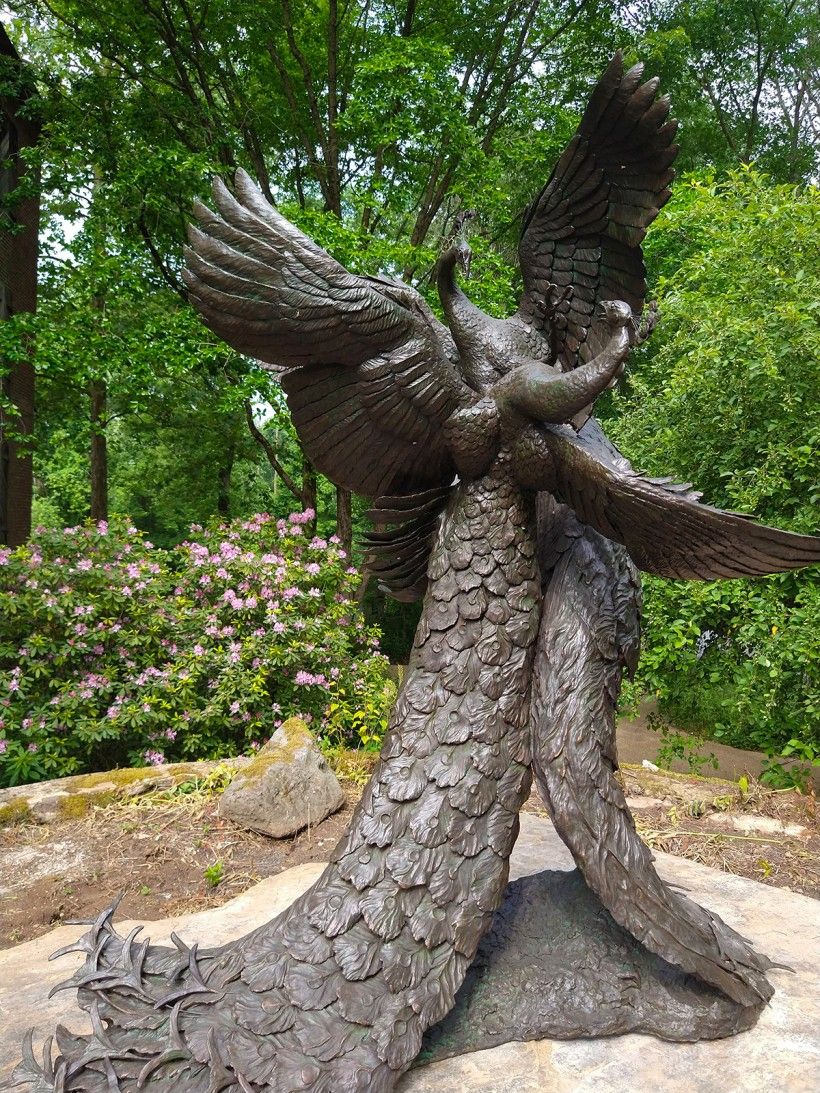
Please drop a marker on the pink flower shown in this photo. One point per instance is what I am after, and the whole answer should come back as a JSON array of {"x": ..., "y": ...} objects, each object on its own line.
[
  {"x": 313, "y": 568},
  {"x": 32, "y": 748},
  {"x": 278, "y": 628},
  {"x": 302, "y": 517},
  {"x": 198, "y": 649},
  {"x": 3, "y": 743},
  {"x": 84, "y": 564},
  {"x": 289, "y": 593},
  {"x": 154, "y": 758},
  {"x": 307, "y": 679}
]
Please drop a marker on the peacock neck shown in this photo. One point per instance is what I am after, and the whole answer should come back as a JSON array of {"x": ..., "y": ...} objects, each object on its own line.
[{"x": 467, "y": 324}]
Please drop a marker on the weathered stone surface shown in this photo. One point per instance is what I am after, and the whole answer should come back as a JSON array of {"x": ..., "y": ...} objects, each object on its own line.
[
  {"x": 782, "y": 1052},
  {"x": 758, "y": 825},
  {"x": 287, "y": 787},
  {"x": 67, "y": 798}
]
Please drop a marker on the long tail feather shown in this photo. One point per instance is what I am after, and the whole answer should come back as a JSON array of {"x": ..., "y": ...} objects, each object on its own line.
[{"x": 589, "y": 635}]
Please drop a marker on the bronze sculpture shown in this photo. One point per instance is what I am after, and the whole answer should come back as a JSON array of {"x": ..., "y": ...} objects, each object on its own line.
[{"x": 499, "y": 498}]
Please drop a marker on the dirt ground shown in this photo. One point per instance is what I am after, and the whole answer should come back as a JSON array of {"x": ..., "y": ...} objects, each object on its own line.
[{"x": 174, "y": 856}]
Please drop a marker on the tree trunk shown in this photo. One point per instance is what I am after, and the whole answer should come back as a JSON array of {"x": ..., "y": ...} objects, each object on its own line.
[
  {"x": 18, "y": 293},
  {"x": 15, "y": 455},
  {"x": 344, "y": 518},
  {"x": 97, "y": 392},
  {"x": 223, "y": 489},
  {"x": 309, "y": 492}
]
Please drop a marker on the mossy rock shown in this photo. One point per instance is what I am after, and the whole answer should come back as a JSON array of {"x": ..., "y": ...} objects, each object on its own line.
[
  {"x": 73, "y": 797},
  {"x": 14, "y": 811},
  {"x": 288, "y": 786}
]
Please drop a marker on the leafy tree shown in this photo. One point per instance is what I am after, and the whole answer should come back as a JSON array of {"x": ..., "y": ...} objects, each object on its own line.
[
  {"x": 745, "y": 75},
  {"x": 378, "y": 119}
]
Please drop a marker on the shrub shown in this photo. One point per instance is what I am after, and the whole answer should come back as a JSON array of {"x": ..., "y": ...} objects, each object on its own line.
[
  {"x": 736, "y": 660},
  {"x": 113, "y": 652},
  {"x": 725, "y": 394}
]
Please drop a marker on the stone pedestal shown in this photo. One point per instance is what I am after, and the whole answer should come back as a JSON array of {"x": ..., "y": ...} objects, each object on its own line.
[{"x": 782, "y": 1052}]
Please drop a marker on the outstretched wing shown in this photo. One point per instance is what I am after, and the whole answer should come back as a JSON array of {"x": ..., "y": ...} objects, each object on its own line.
[
  {"x": 370, "y": 376},
  {"x": 662, "y": 525},
  {"x": 398, "y": 548},
  {"x": 584, "y": 230}
]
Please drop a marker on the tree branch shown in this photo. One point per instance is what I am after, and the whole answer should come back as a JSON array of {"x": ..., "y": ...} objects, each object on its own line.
[{"x": 270, "y": 452}]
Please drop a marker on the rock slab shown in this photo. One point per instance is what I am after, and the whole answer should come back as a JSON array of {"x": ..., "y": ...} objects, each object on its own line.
[
  {"x": 781, "y": 1053},
  {"x": 288, "y": 785}
]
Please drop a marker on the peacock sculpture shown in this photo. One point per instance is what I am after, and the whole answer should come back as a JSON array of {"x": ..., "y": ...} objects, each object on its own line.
[{"x": 498, "y": 498}]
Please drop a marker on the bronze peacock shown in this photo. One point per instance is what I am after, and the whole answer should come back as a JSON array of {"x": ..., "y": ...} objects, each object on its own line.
[{"x": 498, "y": 498}]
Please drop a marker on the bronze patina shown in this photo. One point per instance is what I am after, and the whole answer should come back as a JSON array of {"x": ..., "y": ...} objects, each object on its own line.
[{"x": 498, "y": 498}]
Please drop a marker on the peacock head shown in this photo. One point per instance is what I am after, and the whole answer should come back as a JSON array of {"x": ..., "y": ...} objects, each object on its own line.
[
  {"x": 615, "y": 312},
  {"x": 463, "y": 256}
]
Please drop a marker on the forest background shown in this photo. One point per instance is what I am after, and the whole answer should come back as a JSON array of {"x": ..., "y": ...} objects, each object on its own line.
[{"x": 371, "y": 124}]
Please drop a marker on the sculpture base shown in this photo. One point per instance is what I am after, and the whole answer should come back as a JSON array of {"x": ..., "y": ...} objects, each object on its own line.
[
  {"x": 782, "y": 1052},
  {"x": 556, "y": 965}
]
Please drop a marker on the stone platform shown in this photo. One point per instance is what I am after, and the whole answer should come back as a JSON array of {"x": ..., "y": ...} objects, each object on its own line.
[{"x": 782, "y": 1053}]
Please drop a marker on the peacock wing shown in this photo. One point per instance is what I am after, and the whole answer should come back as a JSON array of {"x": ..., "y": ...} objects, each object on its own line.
[
  {"x": 662, "y": 524},
  {"x": 584, "y": 230},
  {"x": 369, "y": 373}
]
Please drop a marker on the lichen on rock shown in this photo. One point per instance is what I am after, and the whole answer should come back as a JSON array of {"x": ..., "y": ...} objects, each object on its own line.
[{"x": 286, "y": 787}]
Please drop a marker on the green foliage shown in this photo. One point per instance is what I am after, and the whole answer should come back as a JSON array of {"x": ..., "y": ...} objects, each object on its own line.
[
  {"x": 115, "y": 652},
  {"x": 680, "y": 745},
  {"x": 796, "y": 771},
  {"x": 214, "y": 874},
  {"x": 725, "y": 394},
  {"x": 372, "y": 148}
]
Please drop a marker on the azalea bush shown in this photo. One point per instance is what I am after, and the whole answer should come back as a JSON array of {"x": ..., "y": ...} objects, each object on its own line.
[{"x": 114, "y": 652}]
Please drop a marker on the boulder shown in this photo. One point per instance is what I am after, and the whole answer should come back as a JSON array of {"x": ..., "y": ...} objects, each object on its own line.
[{"x": 285, "y": 788}]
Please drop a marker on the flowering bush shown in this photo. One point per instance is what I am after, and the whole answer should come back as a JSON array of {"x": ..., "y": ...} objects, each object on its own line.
[{"x": 115, "y": 652}]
